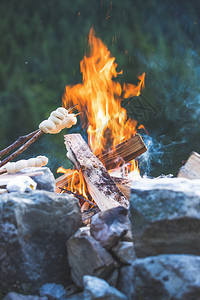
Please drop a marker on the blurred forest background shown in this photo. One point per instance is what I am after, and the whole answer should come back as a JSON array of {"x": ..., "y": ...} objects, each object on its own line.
[{"x": 43, "y": 42}]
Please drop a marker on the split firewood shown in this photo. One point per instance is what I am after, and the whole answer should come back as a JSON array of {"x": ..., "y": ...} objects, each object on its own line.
[
  {"x": 58, "y": 120},
  {"x": 63, "y": 181},
  {"x": 99, "y": 183},
  {"x": 124, "y": 185},
  {"x": 124, "y": 152},
  {"x": 88, "y": 214},
  {"x": 39, "y": 161},
  {"x": 191, "y": 169}
]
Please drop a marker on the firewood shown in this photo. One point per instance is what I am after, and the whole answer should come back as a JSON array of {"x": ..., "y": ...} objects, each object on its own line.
[
  {"x": 124, "y": 185},
  {"x": 124, "y": 152},
  {"x": 100, "y": 185},
  {"x": 191, "y": 169},
  {"x": 88, "y": 214}
]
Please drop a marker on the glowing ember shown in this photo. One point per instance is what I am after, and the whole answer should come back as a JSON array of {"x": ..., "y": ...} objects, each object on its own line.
[{"x": 99, "y": 98}]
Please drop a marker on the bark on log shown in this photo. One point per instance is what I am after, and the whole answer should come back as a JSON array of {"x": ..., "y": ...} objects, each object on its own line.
[
  {"x": 191, "y": 169},
  {"x": 124, "y": 152},
  {"x": 100, "y": 185},
  {"x": 123, "y": 184}
]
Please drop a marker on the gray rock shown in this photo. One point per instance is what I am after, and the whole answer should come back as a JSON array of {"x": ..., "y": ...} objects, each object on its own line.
[
  {"x": 34, "y": 228},
  {"x": 109, "y": 226},
  {"x": 87, "y": 257},
  {"x": 53, "y": 291},
  {"x": 78, "y": 296},
  {"x": 124, "y": 251},
  {"x": 125, "y": 281},
  {"x": 16, "y": 296},
  {"x": 165, "y": 216},
  {"x": 45, "y": 181},
  {"x": 96, "y": 288},
  {"x": 167, "y": 277}
]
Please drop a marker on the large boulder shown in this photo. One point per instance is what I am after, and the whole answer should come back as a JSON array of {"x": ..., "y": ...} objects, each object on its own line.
[
  {"x": 165, "y": 216},
  {"x": 34, "y": 228},
  {"x": 167, "y": 277}
]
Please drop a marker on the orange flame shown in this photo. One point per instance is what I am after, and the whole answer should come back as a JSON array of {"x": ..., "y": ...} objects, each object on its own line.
[
  {"x": 75, "y": 182},
  {"x": 99, "y": 98}
]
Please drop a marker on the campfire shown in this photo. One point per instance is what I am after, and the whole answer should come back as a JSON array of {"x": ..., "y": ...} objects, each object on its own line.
[
  {"x": 104, "y": 165},
  {"x": 44, "y": 233},
  {"x": 112, "y": 137}
]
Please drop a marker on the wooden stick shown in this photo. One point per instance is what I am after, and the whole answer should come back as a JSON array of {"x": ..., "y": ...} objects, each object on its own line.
[
  {"x": 100, "y": 185},
  {"x": 21, "y": 140},
  {"x": 22, "y": 148},
  {"x": 124, "y": 152},
  {"x": 3, "y": 171},
  {"x": 29, "y": 138}
]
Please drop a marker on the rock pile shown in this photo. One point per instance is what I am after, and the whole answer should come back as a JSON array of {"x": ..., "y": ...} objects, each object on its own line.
[
  {"x": 165, "y": 217},
  {"x": 42, "y": 239}
]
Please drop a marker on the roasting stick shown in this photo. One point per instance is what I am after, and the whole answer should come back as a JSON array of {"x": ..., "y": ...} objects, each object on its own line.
[
  {"x": 21, "y": 140},
  {"x": 58, "y": 120}
]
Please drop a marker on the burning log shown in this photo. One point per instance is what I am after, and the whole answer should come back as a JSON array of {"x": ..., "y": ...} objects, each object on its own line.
[
  {"x": 191, "y": 169},
  {"x": 126, "y": 151},
  {"x": 100, "y": 185}
]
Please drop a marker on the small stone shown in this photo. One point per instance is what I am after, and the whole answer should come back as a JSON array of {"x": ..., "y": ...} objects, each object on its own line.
[
  {"x": 125, "y": 252},
  {"x": 96, "y": 288},
  {"x": 45, "y": 181},
  {"x": 109, "y": 226},
  {"x": 21, "y": 184},
  {"x": 87, "y": 257},
  {"x": 53, "y": 291},
  {"x": 16, "y": 296}
]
